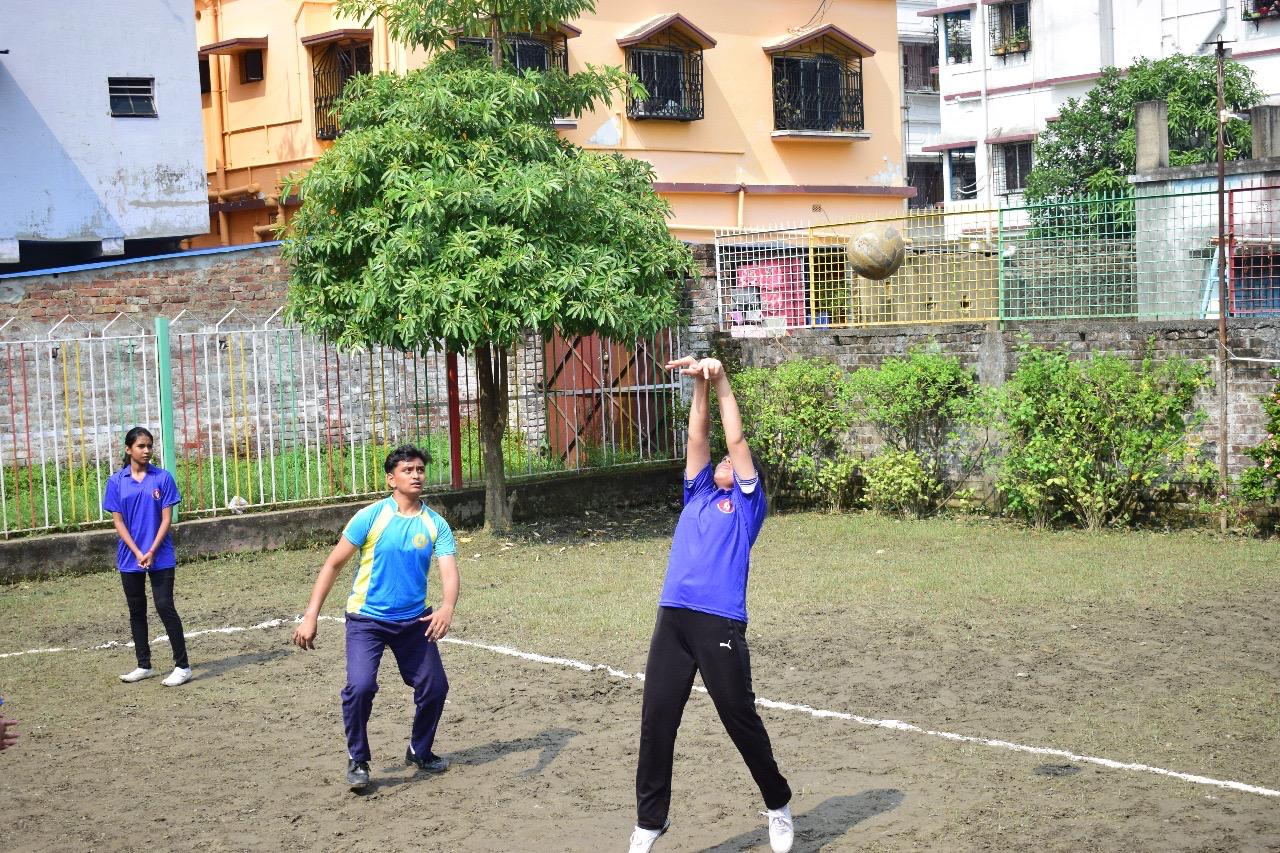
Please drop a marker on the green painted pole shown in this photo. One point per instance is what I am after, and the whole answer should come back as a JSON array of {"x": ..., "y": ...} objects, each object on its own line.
[{"x": 164, "y": 379}]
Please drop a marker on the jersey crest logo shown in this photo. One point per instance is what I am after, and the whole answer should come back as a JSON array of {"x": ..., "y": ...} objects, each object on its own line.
[
  {"x": 420, "y": 540},
  {"x": 725, "y": 505},
  {"x": 155, "y": 493}
]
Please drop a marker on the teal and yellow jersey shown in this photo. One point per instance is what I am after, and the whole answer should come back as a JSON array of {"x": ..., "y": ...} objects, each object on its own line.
[{"x": 395, "y": 556}]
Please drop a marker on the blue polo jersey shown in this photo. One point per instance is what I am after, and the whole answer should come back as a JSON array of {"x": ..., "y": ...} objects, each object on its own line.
[
  {"x": 395, "y": 557},
  {"x": 711, "y": 550},
  {"x": 141, "y": 505}
]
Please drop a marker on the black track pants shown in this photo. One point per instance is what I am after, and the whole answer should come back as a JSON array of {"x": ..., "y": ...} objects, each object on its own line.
[
  {"x": 135, "y": 593},
  {"x": 686, "y": 642}
]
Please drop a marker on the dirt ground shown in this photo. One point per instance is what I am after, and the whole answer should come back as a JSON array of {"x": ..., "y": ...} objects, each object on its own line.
[{"x": 249, "y": 755}]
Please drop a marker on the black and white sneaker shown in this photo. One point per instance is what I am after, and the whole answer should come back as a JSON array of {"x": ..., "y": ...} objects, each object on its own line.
[
  {"x": 357, "y": 774},
  {"x": 430, "y": 762}
]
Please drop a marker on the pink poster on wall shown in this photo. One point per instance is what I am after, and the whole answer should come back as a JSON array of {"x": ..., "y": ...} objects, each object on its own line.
[{"x": 780, "y": 282}]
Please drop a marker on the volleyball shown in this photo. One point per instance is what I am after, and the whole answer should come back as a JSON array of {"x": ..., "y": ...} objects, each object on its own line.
[{"x": 877, "y": 251}]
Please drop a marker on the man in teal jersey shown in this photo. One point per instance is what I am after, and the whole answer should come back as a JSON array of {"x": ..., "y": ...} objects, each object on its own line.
[{"x": 395, "y": 538}]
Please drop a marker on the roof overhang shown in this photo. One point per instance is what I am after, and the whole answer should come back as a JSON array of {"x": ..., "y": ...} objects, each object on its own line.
[
  {"x": 231, "y": 47},
  {"x": 673, "y": 20},
  {"x": 948, "y": 146},
  {"x": 332, "y": 36},
  {"x": 1002, "y": 138},
  {"x": 942, "y": 10},
  {"x": 831, "y": 31}
]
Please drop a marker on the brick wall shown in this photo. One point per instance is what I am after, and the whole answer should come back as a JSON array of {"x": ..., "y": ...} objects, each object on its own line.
[{"x": 206, "y": 285}]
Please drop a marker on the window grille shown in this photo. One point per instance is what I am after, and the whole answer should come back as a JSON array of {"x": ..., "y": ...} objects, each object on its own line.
[
  {"x": 963, "y": 165},
  {"x": 957, "y": 34},
  {"x": 670, "y": 67},
  {"x": 333, "y": 66},
  {"x": 1010, "y": 164},
  {"x": 1258, "y": 10},
  {"x": 524, "y": 52},
  {"x": 1010, "y": 26},
  {"x": 818, "y": 87},
  {"x": 920, "y": 67},
  {"x": 926, "y": 179},
  {"x": 132, "y": 96}
]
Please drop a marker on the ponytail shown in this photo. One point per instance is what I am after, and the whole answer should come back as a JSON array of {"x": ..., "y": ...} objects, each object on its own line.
[{"x": 131, "y": 437}]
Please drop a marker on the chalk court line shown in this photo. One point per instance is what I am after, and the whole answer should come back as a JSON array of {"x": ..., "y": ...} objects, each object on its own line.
[{"x": 817, "y": 713}]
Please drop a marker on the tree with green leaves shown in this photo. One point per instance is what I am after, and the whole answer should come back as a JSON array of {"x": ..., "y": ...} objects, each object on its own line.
[
  {"x": 449, "y": 214},
  {"x": 1092, "y": 148}
]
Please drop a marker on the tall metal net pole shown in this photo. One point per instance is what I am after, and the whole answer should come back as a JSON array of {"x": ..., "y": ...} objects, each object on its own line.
[{"x": 1223, "y": 431}]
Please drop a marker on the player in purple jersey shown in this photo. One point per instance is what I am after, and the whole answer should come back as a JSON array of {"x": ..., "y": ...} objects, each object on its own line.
[
  {"x": 140, "y": 498},
  {"x": 702, "y": 616}
]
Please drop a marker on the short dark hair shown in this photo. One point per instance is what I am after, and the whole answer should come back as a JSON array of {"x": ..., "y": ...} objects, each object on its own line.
[{"x": 404, "y": 453}]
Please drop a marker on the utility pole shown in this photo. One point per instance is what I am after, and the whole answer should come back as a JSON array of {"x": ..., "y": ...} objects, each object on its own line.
[{"x": 1224, "y": 434}]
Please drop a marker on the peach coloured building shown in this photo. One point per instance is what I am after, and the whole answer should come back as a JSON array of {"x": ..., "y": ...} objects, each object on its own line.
[{"x": 760, "y": 111}]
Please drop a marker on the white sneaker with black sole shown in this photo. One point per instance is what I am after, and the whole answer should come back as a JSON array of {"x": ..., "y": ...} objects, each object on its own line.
[
  {"x": 137, "y": 675},
  {"x": 642, "y": 839},
  {"x": 180, "y": 675},
  {"x": 782, "y": 829}
]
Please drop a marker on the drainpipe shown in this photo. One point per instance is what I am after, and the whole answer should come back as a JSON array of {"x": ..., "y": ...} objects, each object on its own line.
[
  {"x": 1107, "y": 33},
  {"x": 216, "y": 94},
  {"x": 1216, "y": 31}
]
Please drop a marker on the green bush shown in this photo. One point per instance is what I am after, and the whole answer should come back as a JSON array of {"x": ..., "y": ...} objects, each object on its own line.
[
  {"x": 896, "y": 482},
  {"x": 1262, "y": 483},
  {"x": 933, "y": 417},
  {"x": 1092, "y": 441},
  {"x": 797, "y": 417}
]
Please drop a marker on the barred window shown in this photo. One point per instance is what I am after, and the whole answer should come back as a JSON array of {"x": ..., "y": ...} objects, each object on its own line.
[
  {"x": 963, "y": 166},
  {"x": 1010, "y": 25},
  {"x": 957, "y": 35},
  {"x": 332, "y": 67},
  {"x": 669, "y": 66},
  {"x": 920, "y": 67},
  {"x": 525, "y": 52},
  {"x": 819, "y": 90},
  {"x": 1011, "y": 164},
  {"x": 132, "y": 97}
]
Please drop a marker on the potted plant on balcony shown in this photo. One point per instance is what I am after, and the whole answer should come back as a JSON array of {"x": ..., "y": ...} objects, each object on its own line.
[{"x": 1019, "y": 42}]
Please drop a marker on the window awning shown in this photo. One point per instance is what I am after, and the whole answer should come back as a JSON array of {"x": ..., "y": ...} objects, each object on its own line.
[
  {"x": 830, "y": 31},
  {"x": 944, "y": 10},
  {"x": 948, "y": 146},
  {"x": 337, "y": 35},
  {"x": 673, "y": 20},
  {"x": 231, "y": 47},
  {"x": 1003, "y": 137}
]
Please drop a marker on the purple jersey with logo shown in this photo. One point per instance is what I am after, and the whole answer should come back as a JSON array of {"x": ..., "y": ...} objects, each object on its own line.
[
  {"x": 711, "y": 551},
  {"x": 140, "y": 504}
]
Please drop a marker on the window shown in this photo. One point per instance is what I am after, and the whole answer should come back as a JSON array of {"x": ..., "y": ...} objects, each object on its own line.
[
  {"x": 132, "y": 96},
  {"x": 670, "y": 67},
  {"x": 819, "y": 90},
  {"x": 1011, "y": 164},
  {"x": 1010, "y": 28},
  {"x": 333, "y": 66},
  {"x": 963, "y": 165},
  {"x": 958, "y": 38},
  {"x": 527, "y": 52},
  {"x": 205, "y": 86},
  {"x": 251, "y": 66},
  {"x": 920, "y": 67},
  {"x": 1257, "y": 10},
  {"x": 926, "y": 179}
]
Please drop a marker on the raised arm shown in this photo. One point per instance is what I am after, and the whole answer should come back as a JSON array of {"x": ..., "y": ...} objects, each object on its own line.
[
  {"x": 731, "y": 420},
  {"x": 698, "y": 448}
]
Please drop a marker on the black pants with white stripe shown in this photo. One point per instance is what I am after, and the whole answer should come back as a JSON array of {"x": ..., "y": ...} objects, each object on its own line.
[{"x": 686, "y": 642}]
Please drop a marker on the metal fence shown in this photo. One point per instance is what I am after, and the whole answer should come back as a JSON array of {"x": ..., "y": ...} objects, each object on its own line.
[
  {"x": 1142, "y": 254},
  {"x": 265, "y": 416}
]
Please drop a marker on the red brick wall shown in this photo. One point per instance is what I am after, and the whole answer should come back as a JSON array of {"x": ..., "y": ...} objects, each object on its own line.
[{"x": 250, "y": 279}]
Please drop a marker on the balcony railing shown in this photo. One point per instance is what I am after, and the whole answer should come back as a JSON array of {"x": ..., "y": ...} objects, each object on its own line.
[{"x": 1258, "y": 10}]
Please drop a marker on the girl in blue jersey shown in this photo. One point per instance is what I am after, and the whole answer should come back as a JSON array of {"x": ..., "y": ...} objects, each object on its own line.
[
  {"x": 396, "y": 538},
  {"x": 140, "y": 498},
  {"x": 702, "y": 616}
]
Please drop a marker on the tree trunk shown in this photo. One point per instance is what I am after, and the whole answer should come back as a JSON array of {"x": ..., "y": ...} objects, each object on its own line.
[
  {"x": 495, "y": 42},
  {"x": 491, "y": 373}
]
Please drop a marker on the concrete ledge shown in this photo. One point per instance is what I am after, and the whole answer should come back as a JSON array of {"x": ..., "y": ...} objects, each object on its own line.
[{"x": 94, "y": 550}]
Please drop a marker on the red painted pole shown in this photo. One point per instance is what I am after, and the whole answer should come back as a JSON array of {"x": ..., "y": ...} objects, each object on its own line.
[{"x": 455, "y": 421}]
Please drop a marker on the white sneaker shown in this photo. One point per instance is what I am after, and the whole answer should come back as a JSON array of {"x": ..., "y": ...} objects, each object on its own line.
[
  {"x": 180, "y": 675},
  {"x": 642, "y": 839},
  {"x": 137, "y": 675},
  {"x": 782, "y": 829}
]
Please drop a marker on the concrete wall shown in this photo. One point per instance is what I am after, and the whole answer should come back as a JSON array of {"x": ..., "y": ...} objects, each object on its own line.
[
  {"x": 69, "y": 171},
  {"x": 94, "y": 551}
]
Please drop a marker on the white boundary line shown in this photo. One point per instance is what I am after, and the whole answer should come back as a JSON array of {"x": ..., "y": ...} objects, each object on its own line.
[{"x": 817, "y": 713}]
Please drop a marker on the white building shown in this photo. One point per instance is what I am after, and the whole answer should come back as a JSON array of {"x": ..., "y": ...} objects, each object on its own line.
[
  {"x": 1008, "y": 66},
  {"x": 921, "y": 101},
  {"x": 101, "y": 146}
]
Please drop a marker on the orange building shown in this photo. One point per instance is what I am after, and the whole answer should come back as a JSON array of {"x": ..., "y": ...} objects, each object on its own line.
[{"x": 759, "y": 112}]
